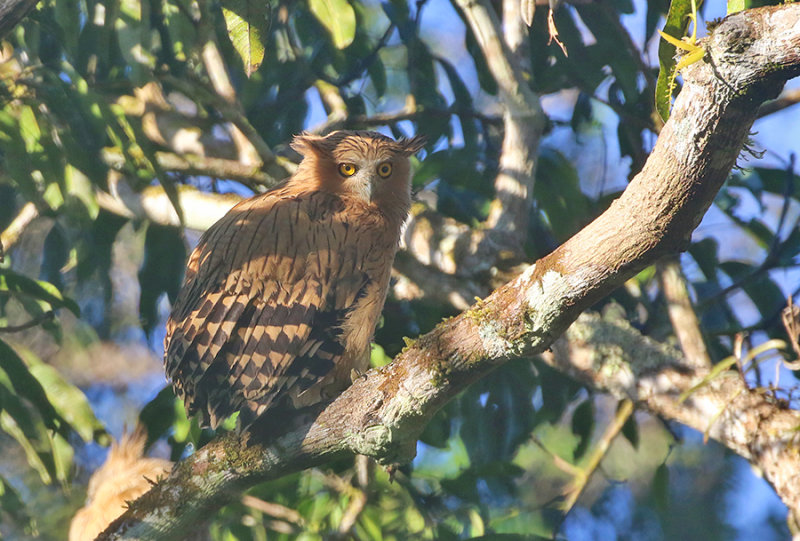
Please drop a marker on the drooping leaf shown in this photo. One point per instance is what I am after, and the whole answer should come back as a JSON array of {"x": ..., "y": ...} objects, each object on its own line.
[
  {"x": 161, "y": 272},
  {"x": 559, "y": 196},
  {"x": 27, "y": 386},
  {"x": 14, "y": 507},
  {"x": 583, "y": 426},
  {"x": 67, "y": 400},
  {"x": 134, "y": 34},
  {"x": 660, "y": 488},
  {"x": 17, "y": 284},
  {"x": 247, "y": 22},
  {"x": 338, "y": 17}
]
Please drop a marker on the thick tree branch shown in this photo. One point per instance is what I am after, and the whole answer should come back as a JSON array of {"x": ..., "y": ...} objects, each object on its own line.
[
  {"x": 12, "y": 12},
  {"x": 749, "y": 56},
  {"x": 614, "y": 357}
]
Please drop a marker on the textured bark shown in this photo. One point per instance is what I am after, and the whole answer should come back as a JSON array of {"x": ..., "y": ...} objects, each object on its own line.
[
  {"x": 749, "y": 56},
  {"x": 12, "y": 12},
  {"x": 612, "y": 356}
]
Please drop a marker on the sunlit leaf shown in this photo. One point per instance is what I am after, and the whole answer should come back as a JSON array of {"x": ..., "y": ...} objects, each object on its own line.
[
  {"x": 28, "y": 387},
  {"x": 247, "y": 22},
  {"x": 338, "y": 17},
  {"x": 17, "y": 284},
  {"x": 735, "y": 6},
  {"x": 23, "y": 430},
  {"x": 67, "y": 400},
  {"x": 675, "y": 26}
]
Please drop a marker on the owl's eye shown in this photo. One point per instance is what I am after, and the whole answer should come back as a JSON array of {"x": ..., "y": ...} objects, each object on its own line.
[
  {"x": 385, "y": 169},
  {"x": 347, "y": 169}
]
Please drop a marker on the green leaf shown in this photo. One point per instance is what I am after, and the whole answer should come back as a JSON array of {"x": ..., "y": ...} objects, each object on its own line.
[
  {"x": 67, "y": 400},
  {"x": 734, "y": 6},
  {"x": 583, "y": 426},
  {"x": 558, "y": 192},
  {"x": 12, "y": 505},
  {"x": 27, "y": 386},
  {"x": 660, "y": 488},
  {"x": 676, "y": 25},
  {"x": 247, "y": 22},
  {"x": 135, "y": 39},
  {"x": 162, "y": 270},
  {"x": 14, "y": 422},
  {"x": 338, "y": 17},
  {"x": 17, "y": 284},
  {"x": 705, "y": 253}
]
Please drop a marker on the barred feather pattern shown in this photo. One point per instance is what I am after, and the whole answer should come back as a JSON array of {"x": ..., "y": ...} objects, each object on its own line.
[{"x": 281, "y": 296}]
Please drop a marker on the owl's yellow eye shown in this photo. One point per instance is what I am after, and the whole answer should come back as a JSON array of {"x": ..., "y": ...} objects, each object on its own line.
[
  {"x": 347, "y": 169},
  {"x": 385, "y": 169}
]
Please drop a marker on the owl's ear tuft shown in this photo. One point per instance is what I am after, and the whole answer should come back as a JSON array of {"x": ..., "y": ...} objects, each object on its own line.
[
  {"x": 307, "y": 144},
  {"x": 413, "y": 145}
]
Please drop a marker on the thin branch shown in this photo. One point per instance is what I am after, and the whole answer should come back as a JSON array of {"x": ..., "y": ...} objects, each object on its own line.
[
  {"x": 583, "y": 475},
  {"x": 38, "y": 320},
  {"x": 681, "y": 313},
  {"x": 274, "y": 510},
  {"x": 188, "y": 164},
  {"x": 523, "y": 118},
  {"x": 200, "y": 209},
  {"x": 412, "y": 113},
  {"x": 196, "y": 89},
  {"x": 12, "y": 233},
  {"x": 785, "y": 100}
]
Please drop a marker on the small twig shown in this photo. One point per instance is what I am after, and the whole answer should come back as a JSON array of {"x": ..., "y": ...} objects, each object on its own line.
[
  {"x": 365, "y": 62},
  {"x": 787, "y": 99},
  {"x": 413, "y": 113},
  {"x": 196, "y": 88},
  {"x": 583, "y": 475},
  {"x": 558, "y": 462},
  {"x": 274, "y": 510},
  {"x": 358, "y": 501},
  {"x": 38, "y": 320},
  {"x": 188, "y": 164}
]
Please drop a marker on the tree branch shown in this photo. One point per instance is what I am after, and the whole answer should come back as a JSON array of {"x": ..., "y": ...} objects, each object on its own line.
[
  {"x": 749, "y": 57},
  {"x": 614, "y": 357},
  {"x": 523, "y": 118}
]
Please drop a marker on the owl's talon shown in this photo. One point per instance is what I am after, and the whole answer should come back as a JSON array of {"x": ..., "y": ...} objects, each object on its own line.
[{"x": 355, "y": 374}]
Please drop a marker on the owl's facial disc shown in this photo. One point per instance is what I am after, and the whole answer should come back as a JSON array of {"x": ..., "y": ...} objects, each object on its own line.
[{"x": 365, "y": 177}]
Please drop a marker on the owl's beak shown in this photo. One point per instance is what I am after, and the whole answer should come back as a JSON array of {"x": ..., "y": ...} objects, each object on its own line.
[{"x": 372, "y": 188}]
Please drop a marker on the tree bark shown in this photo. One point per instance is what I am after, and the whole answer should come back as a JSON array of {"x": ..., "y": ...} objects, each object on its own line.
[
  {"x": 748, "y": 58},
  {"x": 12, "y": 12}
]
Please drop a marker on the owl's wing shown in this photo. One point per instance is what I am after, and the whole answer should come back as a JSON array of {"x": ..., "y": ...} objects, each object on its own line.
[{"x": 259, "y": 316}]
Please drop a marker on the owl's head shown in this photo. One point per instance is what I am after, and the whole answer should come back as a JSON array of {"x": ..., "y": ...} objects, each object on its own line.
[{"x": 365, "y": 164}]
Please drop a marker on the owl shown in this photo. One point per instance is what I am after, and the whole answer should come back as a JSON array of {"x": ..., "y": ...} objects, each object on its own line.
[{"x": 282, "y": 295}]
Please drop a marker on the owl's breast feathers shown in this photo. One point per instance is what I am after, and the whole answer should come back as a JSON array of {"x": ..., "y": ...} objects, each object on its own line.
[{"x": 280, "y": 302}]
